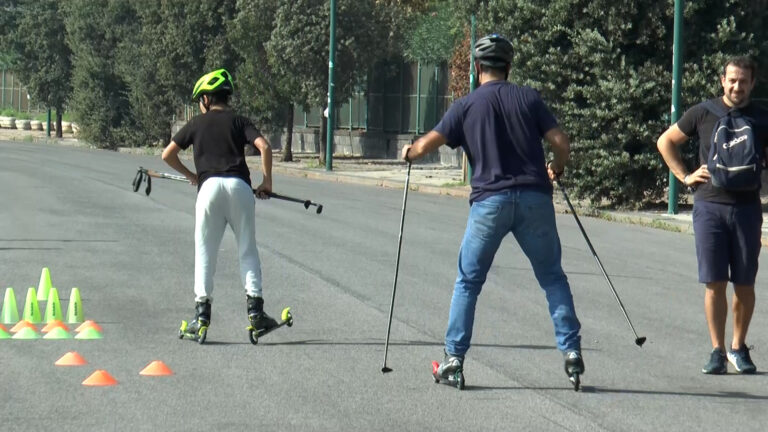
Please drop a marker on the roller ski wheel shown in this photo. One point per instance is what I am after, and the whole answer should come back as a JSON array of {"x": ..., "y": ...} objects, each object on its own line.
[
  {"x": 574, "y": 368},
  {"x": 454, "y": 378},
  {"x": 198, "y": 335},
  {"x": 286, "y": 319}
]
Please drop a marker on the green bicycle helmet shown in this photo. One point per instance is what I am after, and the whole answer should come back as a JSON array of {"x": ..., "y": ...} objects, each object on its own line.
[
  {"x": 494, "y": 51},
  {"x": 214, "y": 82}
]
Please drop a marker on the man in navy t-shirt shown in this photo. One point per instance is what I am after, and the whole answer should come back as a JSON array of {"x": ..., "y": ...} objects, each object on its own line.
[{"x": 500, "y": 127}]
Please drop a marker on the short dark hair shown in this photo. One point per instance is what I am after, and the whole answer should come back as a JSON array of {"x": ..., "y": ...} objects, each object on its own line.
[
  {"x": 742, "y": 62},
  {"x": 217, "y": 98}
]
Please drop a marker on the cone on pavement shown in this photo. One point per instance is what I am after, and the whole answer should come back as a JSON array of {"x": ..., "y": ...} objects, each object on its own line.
[
  {"x": 71, "y": 358},
  {"x": 53, "y": 325},
  {"x": 156, "y": 368},
  {"x": 31, "y": 307},
  {"x": 10, "y": 313},
  {"x": 58, "y": 333},
  {"x": 89, "y": 333},
  {"x": 52, "y": 306},
  {"x": 45, "y": 285},
  {"x": 100, "y": 378},
  {"x": 22, "y": 325},
  {"x": 88, "y": 324},
  {"x": 27, "y": 333},
  {"x": 75, "y": 308}
]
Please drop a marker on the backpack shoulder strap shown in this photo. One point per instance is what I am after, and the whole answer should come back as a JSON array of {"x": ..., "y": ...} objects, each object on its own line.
[{"x": 715, "y": 108}]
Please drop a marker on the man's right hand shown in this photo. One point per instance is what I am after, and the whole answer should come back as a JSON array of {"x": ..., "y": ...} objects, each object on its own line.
[{"x": 701, "y": 175}]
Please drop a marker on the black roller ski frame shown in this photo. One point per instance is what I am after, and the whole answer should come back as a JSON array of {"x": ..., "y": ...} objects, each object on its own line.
[
  {"x": 286, "y": 320},
  {"x": 455, "y": 379},
  {"x": 198, "y": 336},
  {"x": 575, "y": 379}
]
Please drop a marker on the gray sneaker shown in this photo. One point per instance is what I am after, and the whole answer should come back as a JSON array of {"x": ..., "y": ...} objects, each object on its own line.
[
  {"x": 717, "y": 363},
  {"x": 741, "y": 360}
]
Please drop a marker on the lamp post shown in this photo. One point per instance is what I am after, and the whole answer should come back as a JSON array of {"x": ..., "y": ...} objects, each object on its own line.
[
  {"x": 331, "y": 111},
  {"x": 677, "y": 77}
]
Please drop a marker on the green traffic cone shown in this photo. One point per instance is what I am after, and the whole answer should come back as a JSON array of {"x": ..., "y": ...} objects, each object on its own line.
[
  {"x": 52, "y": 306},
  {"x": 45, "y": 285},
  {"x": 75, "y": 308},
  {"x": 31, "y": 307},
  {"x": 10, "y": 313}
]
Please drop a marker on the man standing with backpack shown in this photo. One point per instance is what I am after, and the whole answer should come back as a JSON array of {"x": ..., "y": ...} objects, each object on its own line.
[
  {"x": 732, "y": 133},
  {"x": 500, "y": 127}
]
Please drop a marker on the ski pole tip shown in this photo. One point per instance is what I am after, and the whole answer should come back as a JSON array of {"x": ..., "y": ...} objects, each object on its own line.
[
  {"x": 385, "y": 369},
  {"x": 640, "y": 341}
]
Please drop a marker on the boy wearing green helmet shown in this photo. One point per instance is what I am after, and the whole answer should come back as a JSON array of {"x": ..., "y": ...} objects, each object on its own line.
[{"x": 225, "y": 195}]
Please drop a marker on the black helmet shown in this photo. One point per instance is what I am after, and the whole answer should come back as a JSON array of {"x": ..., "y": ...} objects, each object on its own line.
[{"x": 494, "y": 51}]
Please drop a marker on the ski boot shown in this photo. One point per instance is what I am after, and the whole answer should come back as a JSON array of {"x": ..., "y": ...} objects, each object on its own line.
[
  {"x": 574, "y": 368},
  {"x": 261, "y": 323},
  {"x": 451, "y": 370},
  {"x": 197, "y": 328}
]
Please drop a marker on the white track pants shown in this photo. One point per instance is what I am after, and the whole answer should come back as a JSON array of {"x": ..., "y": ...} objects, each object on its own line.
[{"x": 225, "y": 201}]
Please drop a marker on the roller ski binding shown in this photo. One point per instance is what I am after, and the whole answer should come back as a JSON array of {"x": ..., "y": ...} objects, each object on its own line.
[
  {"x": 574, "y": 368},
  {"x": 261, "y": 323},
  {"x": 197, "y": 329},
  {"x": 451, "y": 370}
]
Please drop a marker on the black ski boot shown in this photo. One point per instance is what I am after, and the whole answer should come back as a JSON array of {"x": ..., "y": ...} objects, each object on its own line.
[
  {"x": 197, "y": 328},
  {"x": 261, "y": 323},
  {"x": 451, "y": 370},
  {"x": 574, "y": 367}
]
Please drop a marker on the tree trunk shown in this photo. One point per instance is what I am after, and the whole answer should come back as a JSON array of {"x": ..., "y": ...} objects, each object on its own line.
[
  {"x": 58, "y": 123},
  {"x": 288, "y": 150}
]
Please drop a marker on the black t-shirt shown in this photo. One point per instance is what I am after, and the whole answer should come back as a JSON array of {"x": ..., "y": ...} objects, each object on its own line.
[
  {"x": 219, "y": 138},
  {"x": 500, "y": 126},
  {"x": 698, "y": 123}
]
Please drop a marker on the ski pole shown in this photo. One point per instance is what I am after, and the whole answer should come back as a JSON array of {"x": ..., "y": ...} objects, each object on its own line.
[
  {"x": 144, "y": 173},
  {"x": 307, "y": 203},
  {"x": 384, "y": 368},
  {"x": 639, "y": 340}
]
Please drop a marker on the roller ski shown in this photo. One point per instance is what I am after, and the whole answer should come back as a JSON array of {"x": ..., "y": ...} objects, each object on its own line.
[
  {"x": 450, "y": 371},
  {"x": 574, "y": 368},
  {"x": 261, "y": 323},
  {"x": 197, "y": 328}
]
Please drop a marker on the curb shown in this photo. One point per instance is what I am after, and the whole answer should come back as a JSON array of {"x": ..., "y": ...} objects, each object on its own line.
[{"x": 458, "y": 191}]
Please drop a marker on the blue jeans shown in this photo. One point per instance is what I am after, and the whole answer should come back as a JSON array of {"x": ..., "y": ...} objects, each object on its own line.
[{"x": 530, "y": 216}]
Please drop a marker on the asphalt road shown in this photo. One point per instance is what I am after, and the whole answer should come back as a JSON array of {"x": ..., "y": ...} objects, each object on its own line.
[{"x": 73, "y": 210}]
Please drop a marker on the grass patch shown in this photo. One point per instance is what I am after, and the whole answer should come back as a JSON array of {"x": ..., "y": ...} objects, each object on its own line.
[
  {"x": 453, "y": 184},
  {"x": 312, "y": 163},
  {"x": 654, "y": 223},
  {"x": 28, "y": 138}
]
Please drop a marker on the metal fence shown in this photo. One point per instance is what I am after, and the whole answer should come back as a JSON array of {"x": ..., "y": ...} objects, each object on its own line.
[
  {"x": 398, "y": 97},
  {"x": 13, "y": 94}
]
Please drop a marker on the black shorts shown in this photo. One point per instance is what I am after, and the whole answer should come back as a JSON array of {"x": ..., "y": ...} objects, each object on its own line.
[{"x": 728, "y": 237}]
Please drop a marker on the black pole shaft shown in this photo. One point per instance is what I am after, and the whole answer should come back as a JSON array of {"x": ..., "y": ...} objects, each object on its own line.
[
  {"x": 599, "y": 264},
  {"x": 385, "y": 369}
]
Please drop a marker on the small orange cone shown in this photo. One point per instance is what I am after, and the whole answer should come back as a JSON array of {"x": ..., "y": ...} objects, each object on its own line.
[
  {"x": 71, "y": 358},
  {"x": 100, "y": 378},
  {"x": 2, "y": 327},
  {"x": 22, "y": 325},
  {"x": 89, "y": 324},
  {"x": 156, "y": 368},
  {"x": 54, "y": 324}
]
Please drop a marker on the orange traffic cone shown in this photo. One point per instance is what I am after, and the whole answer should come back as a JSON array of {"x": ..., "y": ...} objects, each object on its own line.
[
  {"x": 156, "y": 368},
  {"x": 71, "y": 358},
  {"x": 100, "y": 378},
  {"x": 54, "y": 324},
  {"x": 89, "y": 324}
]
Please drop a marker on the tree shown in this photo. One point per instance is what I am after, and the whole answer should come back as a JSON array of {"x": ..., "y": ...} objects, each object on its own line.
[
  {"x": 41, "y": 56},
  {"x": 94, "y": 33},
  {"x": 261, "y": 93},
  {"x": 604, "y": 66},
  {"x": 176, "y": 42},
  {"x": 298, "y": 49}
]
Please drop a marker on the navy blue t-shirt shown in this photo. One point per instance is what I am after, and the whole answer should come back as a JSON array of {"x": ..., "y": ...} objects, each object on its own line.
[{"x": 500, "y": 126}]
